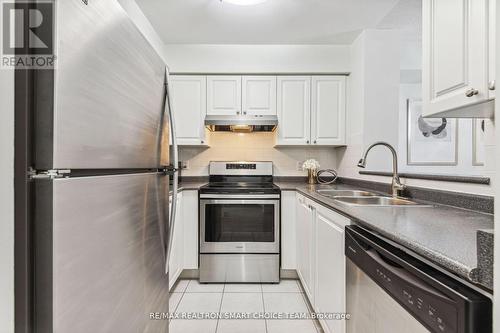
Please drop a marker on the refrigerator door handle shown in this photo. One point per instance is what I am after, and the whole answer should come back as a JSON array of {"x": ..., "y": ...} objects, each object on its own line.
[{"x": 175, "y": 160}]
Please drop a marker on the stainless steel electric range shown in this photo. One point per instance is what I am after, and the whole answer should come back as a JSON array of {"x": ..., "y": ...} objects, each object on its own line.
[{"x": 240, "y": 224}]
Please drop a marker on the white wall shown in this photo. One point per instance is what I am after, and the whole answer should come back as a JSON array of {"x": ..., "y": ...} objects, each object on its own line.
[
  {"x": 253, "y": 147},
  {"x": 381, "y": 94},
  {"x": 372, "y": 111},
  {"x": 7, "y": 201},
  {"x": 258, "y": 58},
  {"x": 464, "y": 141},
  {"x": 374, "y": 101},
  {"x": 143, "y": 24}
]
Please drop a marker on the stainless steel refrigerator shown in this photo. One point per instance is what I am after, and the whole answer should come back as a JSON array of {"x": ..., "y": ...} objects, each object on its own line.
[{"x": 100, "y": 177}]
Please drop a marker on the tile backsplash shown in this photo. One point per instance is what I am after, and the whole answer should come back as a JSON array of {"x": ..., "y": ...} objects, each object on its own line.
[{"x": 226, "y": 146}]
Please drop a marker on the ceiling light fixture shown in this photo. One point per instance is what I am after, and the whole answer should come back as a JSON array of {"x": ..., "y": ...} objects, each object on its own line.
[{"x": 244, "y": 2}]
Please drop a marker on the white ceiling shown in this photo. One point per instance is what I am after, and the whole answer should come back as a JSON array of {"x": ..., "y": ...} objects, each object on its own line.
[
  {"x": 273, "y": 22},
  {"x": 406, "y": 16}
]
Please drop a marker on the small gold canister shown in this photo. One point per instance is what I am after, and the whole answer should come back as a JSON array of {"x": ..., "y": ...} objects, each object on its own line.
[{"x": 311, "y": 176}]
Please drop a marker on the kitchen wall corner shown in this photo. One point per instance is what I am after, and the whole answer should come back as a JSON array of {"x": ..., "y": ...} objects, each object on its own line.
[{"x": 370, "y": 118}]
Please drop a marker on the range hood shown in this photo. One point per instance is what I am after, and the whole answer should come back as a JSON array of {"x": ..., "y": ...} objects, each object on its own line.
[{"x": 244, "y": 124}]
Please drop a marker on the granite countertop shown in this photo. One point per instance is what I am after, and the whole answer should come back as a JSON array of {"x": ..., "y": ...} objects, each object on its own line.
[
  {"x": 445, "y": 235},
  {"x": 189, "y": 186}
]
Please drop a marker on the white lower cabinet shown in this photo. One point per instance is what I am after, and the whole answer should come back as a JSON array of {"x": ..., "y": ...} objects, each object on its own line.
[
  {"x": 330, "y": 267},
  {"x": 288, "y": 230},
  {"x": 321, "y": 259},
  {"x": 185, "y": 241},
  {"x": 176, "y": 264},
  {"x": 305, "y": 245},
  {"x": 190, "y": 224}
]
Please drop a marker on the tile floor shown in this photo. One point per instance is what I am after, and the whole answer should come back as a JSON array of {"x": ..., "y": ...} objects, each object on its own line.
[{"x": 189, "y": 296}]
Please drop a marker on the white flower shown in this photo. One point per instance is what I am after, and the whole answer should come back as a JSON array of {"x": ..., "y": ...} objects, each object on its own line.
[{"x": 310, "y": 164}]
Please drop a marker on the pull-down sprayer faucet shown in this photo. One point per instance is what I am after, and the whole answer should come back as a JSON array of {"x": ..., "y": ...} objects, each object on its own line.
[{"x": 396, "y": 185}]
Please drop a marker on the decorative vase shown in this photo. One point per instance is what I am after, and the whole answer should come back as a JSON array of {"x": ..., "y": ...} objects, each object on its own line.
[{"x": 311, "y": 176}]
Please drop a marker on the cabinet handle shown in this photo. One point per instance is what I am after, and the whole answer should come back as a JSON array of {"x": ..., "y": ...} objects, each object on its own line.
[
  {"x": 491, "y": 85},
  {"x": 307, "y": 141},
  {"x": 315, "y": 141},
  {"x": 237, "y": 112},
  {"x": 244, "y": 112},
  {"x": 471, "y": 92},
  {"x": 202, "y": 141}
]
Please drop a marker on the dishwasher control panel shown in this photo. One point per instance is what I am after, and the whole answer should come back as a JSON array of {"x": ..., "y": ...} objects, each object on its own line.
[
  {"x": 423, "y": 301},
  {"x": 440, "y": 303}
]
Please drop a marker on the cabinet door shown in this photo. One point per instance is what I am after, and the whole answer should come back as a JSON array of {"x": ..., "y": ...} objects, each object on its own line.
[
  {"x": 492, "y": 49},
  {"x": 190, "y": 209},
  {"x": 259, "y": 95},
  {"x": 328, "y": 110},
  {"x": 294, "y": 110},
  {"x": 177, "y": 257},
  {"x": 305, "y": 238},
  {"x": 189, "y": 104},
  {"x": 288, "y": 230},
  {"x": 455, "y": 53},
  {"x": 224, "y": 95},
  {"x": 330, "y": 268}
]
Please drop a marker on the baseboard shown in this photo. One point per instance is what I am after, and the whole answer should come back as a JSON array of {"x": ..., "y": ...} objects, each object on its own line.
[
  {"x": 195, "y": 274},
  {"x": 289, "y": 274},
  {"x": 190, "y": 274}
]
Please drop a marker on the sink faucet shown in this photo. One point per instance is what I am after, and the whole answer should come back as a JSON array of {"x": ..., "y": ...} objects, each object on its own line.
[{"x": 396, "y": 185}]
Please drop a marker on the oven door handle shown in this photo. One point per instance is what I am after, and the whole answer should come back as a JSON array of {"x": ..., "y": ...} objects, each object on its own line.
[
  {"x": 239, "y": 196},
  {"x": 245, "y": 201}
]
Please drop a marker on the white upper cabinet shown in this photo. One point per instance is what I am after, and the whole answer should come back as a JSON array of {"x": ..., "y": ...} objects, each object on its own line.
[
  {"x": 189, "y": 104},
  {"x": 455, "y": 71},
  {"x": 328, "y": 110},
  {"x": 259, "y": 95},
  {"x": 294, "y": 110},
  {"x": 492, "y": 48},
  {"x": 311, "y": 110},
  {"x": 224, "y": 95}
]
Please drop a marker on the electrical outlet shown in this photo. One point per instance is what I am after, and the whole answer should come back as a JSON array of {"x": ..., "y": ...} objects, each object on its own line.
[
  {"x": 299, "y": 166},
  {"x": 184, "y": 165}
]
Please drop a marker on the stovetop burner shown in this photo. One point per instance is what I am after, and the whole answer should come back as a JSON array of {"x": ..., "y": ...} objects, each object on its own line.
[
  {"x": 239, "y": 185},
  {"x": 241, "y": 178},
  {"x": 240, "y": 188}
]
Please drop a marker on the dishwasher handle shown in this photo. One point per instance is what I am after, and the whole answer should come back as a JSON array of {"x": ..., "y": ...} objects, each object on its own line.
[
  {"x": 375, "y": 260},
  {"x": 440, "y": 303},
  {"x": 410, "y": 279}
]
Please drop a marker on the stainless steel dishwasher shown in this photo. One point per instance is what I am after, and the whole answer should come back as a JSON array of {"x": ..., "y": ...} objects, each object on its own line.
[{"x": 390, "y": 291}]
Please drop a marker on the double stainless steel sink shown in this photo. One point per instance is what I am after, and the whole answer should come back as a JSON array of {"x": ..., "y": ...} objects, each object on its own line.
[{"x": 364, "y": 198}]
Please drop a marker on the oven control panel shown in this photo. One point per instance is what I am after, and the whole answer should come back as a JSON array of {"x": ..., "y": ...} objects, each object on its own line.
[{"x": 241, "y": 166}]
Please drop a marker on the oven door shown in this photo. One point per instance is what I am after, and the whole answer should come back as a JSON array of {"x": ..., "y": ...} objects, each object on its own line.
[{"x": 239, "y": 226}]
